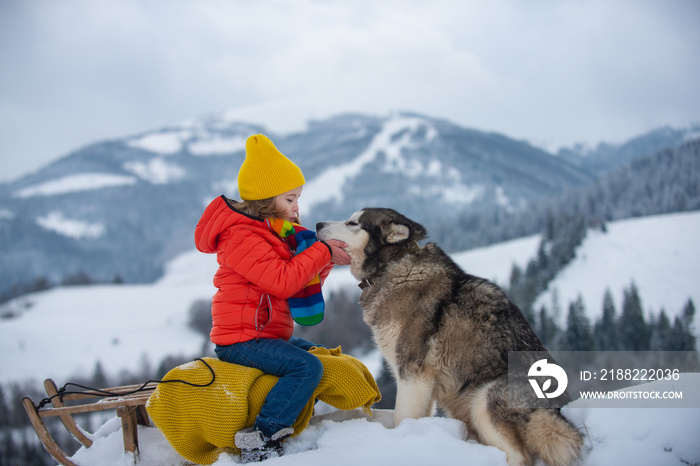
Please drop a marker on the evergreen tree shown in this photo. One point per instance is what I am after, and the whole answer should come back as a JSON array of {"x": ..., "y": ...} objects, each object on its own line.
[
  {"x": 4, "y": 410},
  {"x": 682, "y": 336},
  {"x": 662, "y": 334},
  {"x": 605, "y": 330},
  {"x": 686, "y": 322},
  {"x": 577, "y": 336},
  {"x": 78, "y": 278},
  {"x": 387, "y": 387},
  {"x": 515, "y": 286},
  {"x": 632, "y": 328},
  {"x": 677, "y": 335},
  {"x": 531, "y": 287},
  {"x": 8, "y": 449},
  {"x": 30, "y": 454},
  {"x": 145, "y": 368},
  {"x": 199, "y": 318},
  {"x": 563, "y": 233},
  {"x": 549, "y": 226},
  {"x": 99, "y": 378},
  {"x": 547, "y": 329}
]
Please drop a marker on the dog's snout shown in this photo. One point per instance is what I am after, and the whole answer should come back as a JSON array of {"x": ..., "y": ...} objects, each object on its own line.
[{"x": 319, "y": 226}]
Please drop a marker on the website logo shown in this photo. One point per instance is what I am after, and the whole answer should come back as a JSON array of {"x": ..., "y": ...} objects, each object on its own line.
[{"x": 542, "y": 369}]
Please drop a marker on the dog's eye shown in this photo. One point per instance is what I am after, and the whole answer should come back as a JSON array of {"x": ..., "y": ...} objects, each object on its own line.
[{"x": 351, "y": 224}]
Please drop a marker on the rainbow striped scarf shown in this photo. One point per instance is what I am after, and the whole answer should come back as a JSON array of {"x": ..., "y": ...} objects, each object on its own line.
[{"x": 307, "y": 305}]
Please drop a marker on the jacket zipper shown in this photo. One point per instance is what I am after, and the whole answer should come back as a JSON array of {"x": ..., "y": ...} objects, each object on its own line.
[{"x": 259, "y": 327}]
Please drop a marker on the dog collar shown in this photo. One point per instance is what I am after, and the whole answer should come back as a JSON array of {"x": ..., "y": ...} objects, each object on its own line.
[{"x": 369, "y": 281}]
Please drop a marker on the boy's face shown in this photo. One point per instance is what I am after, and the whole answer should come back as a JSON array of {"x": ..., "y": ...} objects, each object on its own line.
[{"x": 289, "y": 204}]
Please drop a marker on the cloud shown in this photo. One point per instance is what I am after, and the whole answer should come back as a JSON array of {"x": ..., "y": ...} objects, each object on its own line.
[{"x": 554, "y": 73}]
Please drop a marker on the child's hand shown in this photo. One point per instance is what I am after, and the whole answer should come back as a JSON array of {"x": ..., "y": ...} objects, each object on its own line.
[{"x": 338, "y": 254}]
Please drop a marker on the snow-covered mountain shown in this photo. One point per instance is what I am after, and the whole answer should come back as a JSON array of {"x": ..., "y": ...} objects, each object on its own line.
[
  {"x": 118, "y": 210},
  {"x": 605, "y": 156}
]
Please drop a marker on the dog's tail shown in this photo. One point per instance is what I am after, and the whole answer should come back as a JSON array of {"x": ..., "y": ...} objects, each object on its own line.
[{"x": 553, "y": 438}]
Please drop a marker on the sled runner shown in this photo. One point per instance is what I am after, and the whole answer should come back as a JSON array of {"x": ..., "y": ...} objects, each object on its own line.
[{"x": 128, "y": 400}]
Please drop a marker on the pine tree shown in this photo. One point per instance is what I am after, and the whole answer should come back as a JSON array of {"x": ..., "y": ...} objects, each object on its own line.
[
  {"x": 199, "y": 318},
  {"x": 632, "y": 328},
  {"x": 605, "y": 332},
  {"x": 682, "y": 338},
  {"x": 686, "y": 321},
  {"x": 515, "y": 286},
  {"x": 8, "y": 448},
  {"x": 4, "y": 410},
  {"x": 577, "y": 336},
  {"x": 531, "y": 287},
  {"x": 547, "y": 329},
  {"x": 99, "y": 378},
  {"x": 661, "y": 334}
]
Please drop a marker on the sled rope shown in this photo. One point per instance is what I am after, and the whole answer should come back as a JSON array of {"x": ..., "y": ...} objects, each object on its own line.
[{"x": 98, "y": 392}]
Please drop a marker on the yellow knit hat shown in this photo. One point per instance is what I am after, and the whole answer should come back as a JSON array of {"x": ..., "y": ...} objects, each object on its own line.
[{"x": 266, "y": 172}]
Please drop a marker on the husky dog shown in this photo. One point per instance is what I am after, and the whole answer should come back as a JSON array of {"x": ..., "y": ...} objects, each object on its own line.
[{"x": 446, "y": 336}]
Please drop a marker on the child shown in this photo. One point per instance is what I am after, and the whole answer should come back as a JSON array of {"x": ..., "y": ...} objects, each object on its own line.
[{"x": 258, "y": 272}]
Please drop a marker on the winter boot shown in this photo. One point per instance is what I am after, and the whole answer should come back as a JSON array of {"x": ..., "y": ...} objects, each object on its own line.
[{"x": 256, "y": 447}]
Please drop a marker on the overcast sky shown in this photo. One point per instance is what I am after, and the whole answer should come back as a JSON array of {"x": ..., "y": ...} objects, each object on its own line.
[{"x": 554, "y": 73}]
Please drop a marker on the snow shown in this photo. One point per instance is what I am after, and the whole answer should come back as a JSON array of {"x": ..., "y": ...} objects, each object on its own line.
[
  {"x": 692, "y": 134},
  {"x": 459, "y": 193},
  {"x": 156, "y": 171},
  {"x": 198, "y": 141},
  {"x": 166, "y": 143},
  {"x": 326, "y": 186},
  {"x": 661, "y": 254},
  {"x": 75, "y": 183},
  {"x": 6, "y": 214},
  {"x": 217, "y": 145},
  {"x": 57, "y": 222},
  {"x": 122, "y": 326},
  {"x": 612, "y": 437},
  {"x": 501, "y": 198},
  {"x": 496, "y": 262}
]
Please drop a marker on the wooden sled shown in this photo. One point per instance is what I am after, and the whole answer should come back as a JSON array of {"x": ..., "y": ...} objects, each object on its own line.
[{"x": 130, "y": 407}]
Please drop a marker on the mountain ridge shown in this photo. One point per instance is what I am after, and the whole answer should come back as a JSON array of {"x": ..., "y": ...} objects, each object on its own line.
[{"x": 117, "y": 210}]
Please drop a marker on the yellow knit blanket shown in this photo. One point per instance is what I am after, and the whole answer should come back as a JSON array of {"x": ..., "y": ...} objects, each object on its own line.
[{"x": 200, "y": 422}]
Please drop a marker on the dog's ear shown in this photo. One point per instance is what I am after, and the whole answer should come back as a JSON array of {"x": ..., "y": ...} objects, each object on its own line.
[
  {"x": 417, "y": 231},
  {"x": 397, "y": 233},
  {"x": 389, "y": 227},
  {"x": 405, "y": 229}
]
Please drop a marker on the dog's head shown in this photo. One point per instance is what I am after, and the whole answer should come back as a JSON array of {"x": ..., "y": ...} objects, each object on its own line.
[{"x": 373, "y": 236}]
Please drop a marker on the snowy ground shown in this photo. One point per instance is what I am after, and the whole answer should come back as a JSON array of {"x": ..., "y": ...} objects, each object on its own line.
[
  {"x": 613, "y": 436},
  {"x": 661, "y": 254}
]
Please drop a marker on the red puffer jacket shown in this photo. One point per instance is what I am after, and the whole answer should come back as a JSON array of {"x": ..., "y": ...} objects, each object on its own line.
[{"x": 257, "y": 273}]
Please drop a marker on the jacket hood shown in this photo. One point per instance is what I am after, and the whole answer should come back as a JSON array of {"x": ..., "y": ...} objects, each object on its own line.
[{"x": 217, "y": 218}]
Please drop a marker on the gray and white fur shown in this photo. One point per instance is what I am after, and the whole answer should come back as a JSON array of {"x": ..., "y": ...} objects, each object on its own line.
[{"x": 446, "y": 336}]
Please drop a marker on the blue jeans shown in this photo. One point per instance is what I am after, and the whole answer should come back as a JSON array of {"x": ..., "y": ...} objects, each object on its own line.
[{"x": 298, "y": 370}]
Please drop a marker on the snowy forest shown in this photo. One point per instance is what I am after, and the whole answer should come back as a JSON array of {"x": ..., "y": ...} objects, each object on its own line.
[{"x": 665, "y": 182}]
